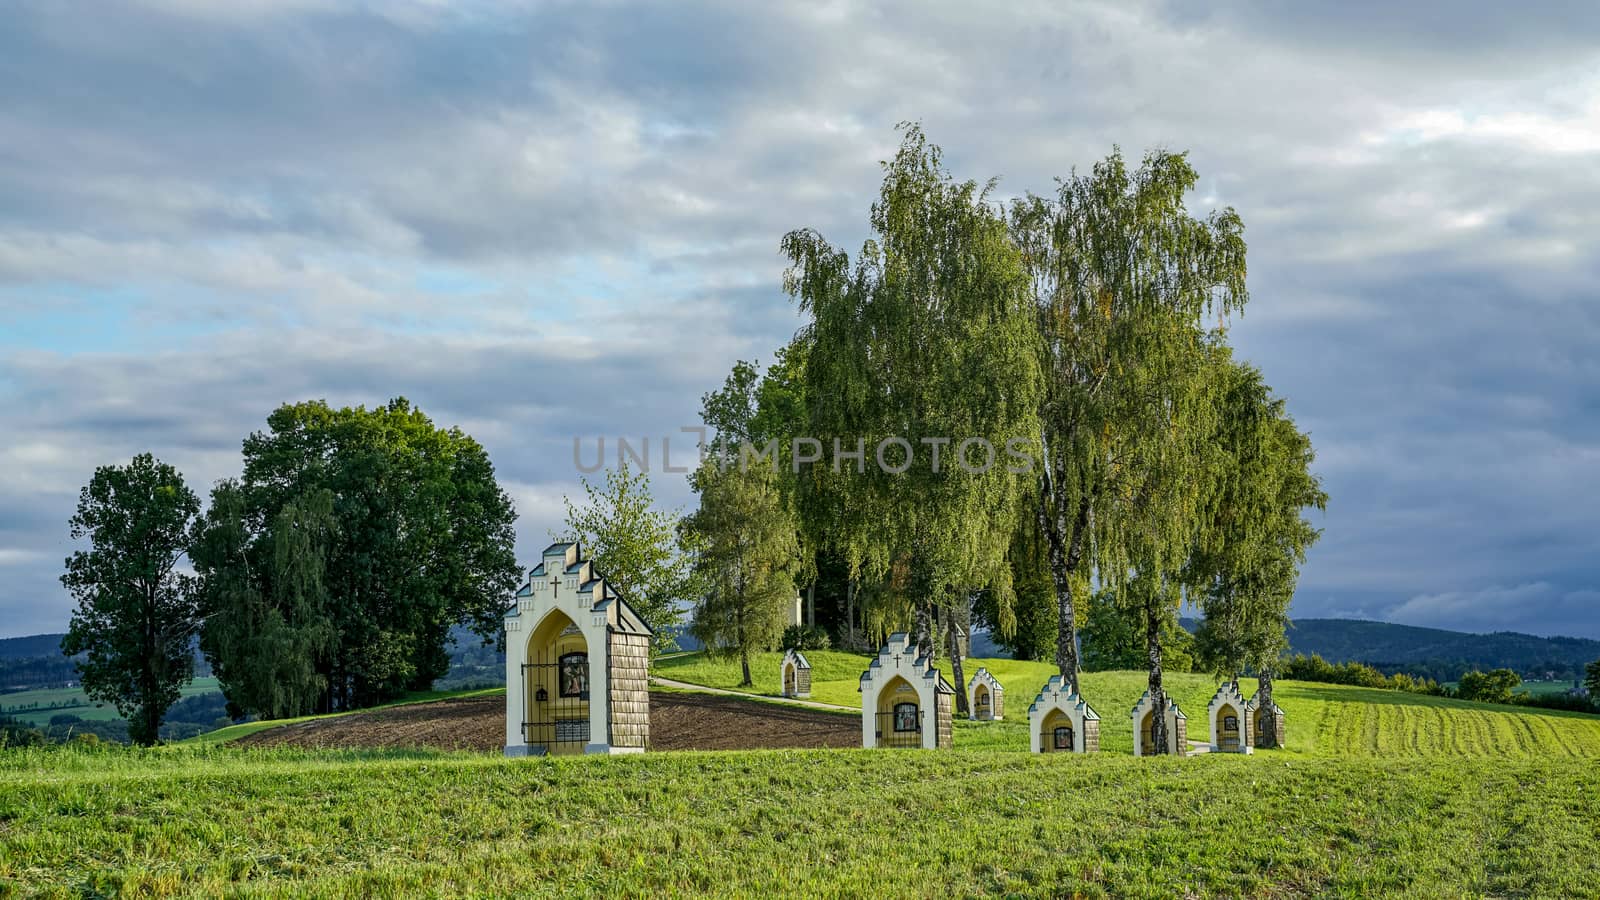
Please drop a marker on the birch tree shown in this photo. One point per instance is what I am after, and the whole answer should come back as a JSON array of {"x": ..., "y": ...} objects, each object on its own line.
[
  {"x": 1254, "y": 534},
  {"x": 1121, "y": 277},
  {"x": 921, "y": 350}
]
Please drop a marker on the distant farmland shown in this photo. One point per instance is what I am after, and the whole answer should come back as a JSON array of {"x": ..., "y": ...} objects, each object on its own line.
[{"x": 37, "y": 706}]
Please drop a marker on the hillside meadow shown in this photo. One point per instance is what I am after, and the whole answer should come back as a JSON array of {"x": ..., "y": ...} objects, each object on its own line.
[
  {"x": 1379, "y": 794},
  {"x": 1323, "y": 719}
]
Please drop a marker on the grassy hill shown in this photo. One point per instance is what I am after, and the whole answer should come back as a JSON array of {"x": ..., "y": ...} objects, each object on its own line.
[
  {"x": 1324, "y": 720},
  {"x": 1379, "y": 794}
]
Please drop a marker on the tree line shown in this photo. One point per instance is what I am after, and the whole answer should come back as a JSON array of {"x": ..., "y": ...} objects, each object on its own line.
[
  {"x": 326, "y": 576},
  {"x": 1088, "y": 325}
]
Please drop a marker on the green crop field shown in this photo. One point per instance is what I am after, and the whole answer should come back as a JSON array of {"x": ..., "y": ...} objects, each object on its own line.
[
  {"x": 37, "y": 706},
  {"x": 1379, "y": 794}
]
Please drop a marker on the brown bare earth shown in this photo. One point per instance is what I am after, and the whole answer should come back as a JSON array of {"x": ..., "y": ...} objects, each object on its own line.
[{"x": 677, "y": 722}]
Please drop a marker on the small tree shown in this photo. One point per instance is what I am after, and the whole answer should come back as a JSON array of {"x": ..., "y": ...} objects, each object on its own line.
[
  {"x": 1253, "y": 535},
  {"x": 1591, "y": 679},
  {"x": 747, "y": 555},
  {"x": 136, "y": 617},
  {"x": 1488, "y": 687},
  {"x": 634, "y": 547}
]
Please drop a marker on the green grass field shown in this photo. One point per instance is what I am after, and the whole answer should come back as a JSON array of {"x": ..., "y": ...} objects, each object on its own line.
[
  {"x": 1379, "y": 794},
  {"x": 74, "y": 701},
  {"x": 1323, "y": 720}
]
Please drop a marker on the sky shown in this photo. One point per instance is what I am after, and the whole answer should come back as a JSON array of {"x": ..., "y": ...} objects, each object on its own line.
[{"x": 545, "y": 221}]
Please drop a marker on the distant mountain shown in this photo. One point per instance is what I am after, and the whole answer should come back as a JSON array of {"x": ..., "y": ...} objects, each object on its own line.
[
  {"x": 32, "y": 645},
  {"x": 1436, "y": 652},
  {"x": 36, "y": 661},
  {"x": 1386, "y": 645}
]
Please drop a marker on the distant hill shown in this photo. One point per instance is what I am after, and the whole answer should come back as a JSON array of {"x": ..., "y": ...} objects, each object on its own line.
[
  {"x": 32, "y": 645},
  {"x": 36, "y": 661},
  {"x": 1389, "y": 646}
]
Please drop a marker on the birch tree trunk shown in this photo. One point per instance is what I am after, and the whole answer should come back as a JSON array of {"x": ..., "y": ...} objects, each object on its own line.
[
  {"x": 1268, "y": 739},
  {"x": 956, "y": 673},
  {"x": 1152, "y": 636},
  {"x": 1064, "y": 543}
]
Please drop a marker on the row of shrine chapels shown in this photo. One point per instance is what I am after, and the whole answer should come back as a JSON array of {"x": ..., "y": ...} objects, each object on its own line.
[{"x": 566, "y": 619}]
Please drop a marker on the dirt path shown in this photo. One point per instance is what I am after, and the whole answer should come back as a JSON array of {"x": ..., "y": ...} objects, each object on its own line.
[{"x": 677, "y": 722}]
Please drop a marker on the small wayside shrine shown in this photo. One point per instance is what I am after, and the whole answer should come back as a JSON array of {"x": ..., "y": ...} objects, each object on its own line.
[
  {"x": 1252, "y": 713},
  {"x": 899, "y": 691},
  {"x": 1059, "y": 721},
  {"x": 577, "y": 663},
  {"x": 986, "y": 698},
  {"x": 796, "y": 675},
  {"x": 1227, "y": 714},
  {"x": 1144, "y": 716}
]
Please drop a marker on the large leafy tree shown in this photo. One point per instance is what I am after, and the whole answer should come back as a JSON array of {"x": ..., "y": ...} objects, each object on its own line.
[
  {"x": 1253, "y": 535},
  {"x": 136, "y": 617},
  {"x": 1122, "y": 276},
  {"x": 746, "y": 556},
  {"x": 635, "y": 547},
  {"x": 273, "y": 653},
  {"x": 926, "y": 338},
  {"x": 354, "y": 540}
]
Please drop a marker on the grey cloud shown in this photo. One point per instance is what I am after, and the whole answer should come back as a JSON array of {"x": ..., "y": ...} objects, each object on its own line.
[{"x": 266, "y": 192}]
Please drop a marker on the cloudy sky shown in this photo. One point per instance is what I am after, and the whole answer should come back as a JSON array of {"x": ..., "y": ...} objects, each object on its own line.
[{"x": 547, "y": 220}]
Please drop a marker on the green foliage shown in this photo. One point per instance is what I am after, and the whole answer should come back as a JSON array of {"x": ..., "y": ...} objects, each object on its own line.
[
  {"x": 335, "y": 566},
  {"x": 1026, "y": 625},
  {"x": 746, "y": 554},
  {"x": 927, "y": 336},
  {"x": 1440, "y": 654},
  {"x": 1488, "y": 687},
  {"x": 1562, "y": 700},
  {"x": 17, "y": 733},
  {"x": 136, "y": 616},
  {"x": 1315, "y": 668},
  {"x": 805, "y": 637},
  {"x": 1591, "y": 678},
  {"x": 635, "y": 548},
  {"x": 1122, "y": 276},
  {"x": 1252, "y": 537},
  {"x": 1113, "y": 636}
]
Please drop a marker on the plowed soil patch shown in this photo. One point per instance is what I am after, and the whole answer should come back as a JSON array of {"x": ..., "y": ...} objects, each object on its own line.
[{"x": 677, "y": 722}]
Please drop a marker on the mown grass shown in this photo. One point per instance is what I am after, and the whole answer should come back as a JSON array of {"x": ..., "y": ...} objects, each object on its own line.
[
  {"x": 1379, "y": 794},
  {"x": 207, "y": 821},
  {"x": 1325, "y": 720}
]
